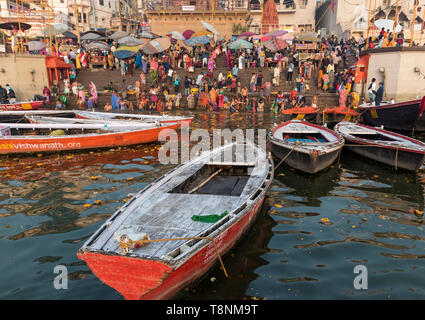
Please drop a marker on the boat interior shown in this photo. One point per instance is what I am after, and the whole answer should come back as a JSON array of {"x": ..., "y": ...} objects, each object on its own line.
[
  {"x": 309, "y": 137},
  {"x": 216, "y": 180}
]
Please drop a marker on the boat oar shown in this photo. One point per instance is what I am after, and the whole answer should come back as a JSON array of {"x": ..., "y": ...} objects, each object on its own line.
[{"x": 206, "y": 181}]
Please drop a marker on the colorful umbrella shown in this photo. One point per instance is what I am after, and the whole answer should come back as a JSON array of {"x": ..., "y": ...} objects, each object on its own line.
[
  {"x": 14, "y": 25},
  {"x": 387, "y": 24},
  {"x": 246, "y": 34},
  {"x": 124, "y": 54},
  {"x": 188, "y": 33},
  {"x": 148, "y": 35},
  {"x": 35, "y": 45},
  {"x": 194, "y": 41},
  {"x": 307, "y": 36},
  {"x": 276, "y": 44},
  {"x": 209, "y": 27},
  {"x": 156, "y": 46},
  {"x": 130, "y": 48},
  {"x": 177, "y": 35},
  {"x": 58, "y": 28},
  {"x": 101, "y": 45},
  {"x": 92, "y": 36},
  {"x": 276, "y": 33},
  {"x": 130, "y": 41},
  {"x": 202, "y": 34},
  {"x": 118, "y": 35},
  {"x": 240, "y": 44}
]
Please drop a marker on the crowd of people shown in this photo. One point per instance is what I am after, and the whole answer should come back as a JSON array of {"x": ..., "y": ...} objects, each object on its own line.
[{"x": 189, "y": 76}]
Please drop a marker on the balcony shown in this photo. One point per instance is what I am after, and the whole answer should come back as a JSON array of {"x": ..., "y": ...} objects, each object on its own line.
[
  {"x": 281, "y": 8},
  {"x": 196, "y": 6}
]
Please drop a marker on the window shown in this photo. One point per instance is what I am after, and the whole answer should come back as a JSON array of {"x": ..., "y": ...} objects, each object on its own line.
[{"x": 101, "y": 2}]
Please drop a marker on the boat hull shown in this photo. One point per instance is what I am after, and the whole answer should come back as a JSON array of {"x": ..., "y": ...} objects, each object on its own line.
[
  {"x": 308, "y": 162},
  {"x": 401, "y": 116},
  {"x": 400, "y": 159},
  {"x": 137, "y": 278},
  {"x": 23, "y": 145},
  {"x": 33, "y": 105}
]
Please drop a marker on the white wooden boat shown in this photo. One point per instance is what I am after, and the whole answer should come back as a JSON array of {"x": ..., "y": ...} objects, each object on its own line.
[
  {"x": 304, "y": 146},
  {"x": 180, "y": 205},
  {"x": 108, "y": 122},
  {"x": 383, "y": 146},
  {"x": 131, "y": 117}
]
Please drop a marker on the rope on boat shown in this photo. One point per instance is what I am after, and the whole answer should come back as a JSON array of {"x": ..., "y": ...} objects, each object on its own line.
[
  {"x": 297, "y": 144},
  {"x": 129, "y": 243}
]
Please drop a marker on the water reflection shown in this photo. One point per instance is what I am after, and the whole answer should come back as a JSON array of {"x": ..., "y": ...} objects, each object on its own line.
[{"x": 50, "y": 204}]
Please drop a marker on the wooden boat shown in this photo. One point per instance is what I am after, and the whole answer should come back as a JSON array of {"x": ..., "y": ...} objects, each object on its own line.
[
  {"x": 132, "y": 117},
  {"x": 26, "y": 105},
  {"x": 113, "y": 123},
  {"x": 30, "y": 138},
  {"x": 206, "y": 202},
  {"x": 383, "y": 146},
  {"x": 305, "y": 146},
  {"x": 305, "y": 113},
  {"x": 393, "y": 116},
  {"x": 335, "y": 115},
  {"x": 18, "y": 116}
]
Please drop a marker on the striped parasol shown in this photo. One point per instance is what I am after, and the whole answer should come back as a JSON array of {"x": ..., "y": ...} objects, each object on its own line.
[
  {"x": 156, "y": 46},
  {"x": 209, "y": 27},
  {"x": 194, "y": 41}
]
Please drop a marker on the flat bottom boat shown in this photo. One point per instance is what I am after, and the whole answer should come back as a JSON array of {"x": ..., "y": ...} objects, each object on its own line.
[
  {"x": 24, "y": 138},
  {"x": 305, "y": 146},
  {"x": 174, "y": 231},
  {"x": 383, "y": 146}
]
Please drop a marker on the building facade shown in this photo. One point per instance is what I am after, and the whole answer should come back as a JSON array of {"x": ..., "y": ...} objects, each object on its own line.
[
  {"x": 350, "y": 18},
  {"x": 82, "y": 15},
  {"x": 180, "y": 15},
  {"x": 294, "y": 15},
  {"x": 228, "y": 17}
]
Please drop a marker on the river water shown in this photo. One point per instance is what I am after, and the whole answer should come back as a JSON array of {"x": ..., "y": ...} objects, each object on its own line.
[{"x": 49, "y": 205}]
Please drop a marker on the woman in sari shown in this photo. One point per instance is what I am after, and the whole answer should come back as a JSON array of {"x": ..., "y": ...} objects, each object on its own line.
[
  {"x": 343, "y": 97},
  {"x": 46, "y": 93},
  {"x": 204, "y": 99},
  {"x": 111, "y": 60},
  {"x": 325, "y": 82},
  {"x": 81, "y": 94},
  {"x": 84, "y": 59},
  {"x": 93, "y": 92},
  {"x": 228, "y": 56},
  {"x": 220, "y": 98},
  {"x": 78, "y": 60},
  {"x": 211, "y": 65}
]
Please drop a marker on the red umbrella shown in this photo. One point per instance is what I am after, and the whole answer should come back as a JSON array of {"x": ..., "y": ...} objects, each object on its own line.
[{"x": 188, "y": 33}]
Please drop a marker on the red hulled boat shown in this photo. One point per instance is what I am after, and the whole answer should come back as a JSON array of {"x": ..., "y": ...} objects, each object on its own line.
[
  {"x": 19, "y": 106},
  {"x": 18, "y": 138},
  {"x": 163, "y": 240}
]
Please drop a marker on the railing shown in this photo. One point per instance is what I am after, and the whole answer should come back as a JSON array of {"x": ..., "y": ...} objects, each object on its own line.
[{"x": 287, "y": 6}]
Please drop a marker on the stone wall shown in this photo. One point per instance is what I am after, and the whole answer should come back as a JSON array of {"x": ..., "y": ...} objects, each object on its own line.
[
  {"x": 182, "y": 21},
  {"x": 27, "y": 74}
]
